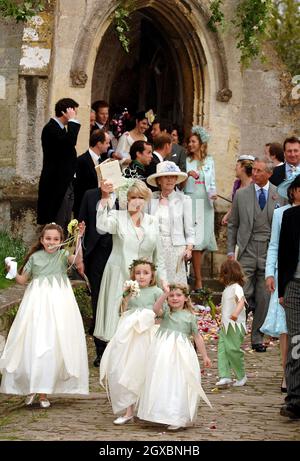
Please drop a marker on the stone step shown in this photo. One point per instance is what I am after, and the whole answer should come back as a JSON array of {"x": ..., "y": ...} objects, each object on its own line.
[{"x": 214, "y": 285}]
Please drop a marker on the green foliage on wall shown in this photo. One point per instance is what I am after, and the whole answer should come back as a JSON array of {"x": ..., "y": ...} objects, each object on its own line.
[
  {"x": 21, "y": 10},
  {"x": 258, "y": 20},
  {"x": 251, "y": 21},
  {"x": 122, "y": 27},
  {"x": 285, "y": 33}
]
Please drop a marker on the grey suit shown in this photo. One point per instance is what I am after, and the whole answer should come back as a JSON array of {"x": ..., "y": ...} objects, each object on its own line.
[{"x": 250, "y": 228}]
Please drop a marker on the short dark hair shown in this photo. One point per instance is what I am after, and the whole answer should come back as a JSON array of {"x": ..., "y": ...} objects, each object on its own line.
[
  {"x": 276, "y": 151},
  {"x": 179, "y": 130},
  {"x": 164, "y": 126},
  {"x": 97, "y": 136},
  {"x": 141, "y": 115},
  {"x": 292, "y": 140},
  {"x": 162, "y": 140},
  {"x": 99, "y": 105},
  {"x": 137, "y": 146},
  {"x": 63, "y": 104},
  {"x": 291, "y": 189}
]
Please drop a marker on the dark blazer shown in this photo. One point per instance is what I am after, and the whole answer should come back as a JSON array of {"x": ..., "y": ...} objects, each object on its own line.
[
  {"x": 59, "y": 163},
  {"x": 88, "y": 213},
  {"x": 86, "y": 178},
  {"x": 278, "y": 175},
  {"x": 288, "y": 251},
  {"x": 151, "y": 169}
]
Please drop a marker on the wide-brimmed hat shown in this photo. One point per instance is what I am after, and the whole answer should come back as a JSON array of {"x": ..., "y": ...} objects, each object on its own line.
[
  {"x": 167, "y": 169},
  {"x": 283, "y": 187},
  {"x": 246, "y": 157}
]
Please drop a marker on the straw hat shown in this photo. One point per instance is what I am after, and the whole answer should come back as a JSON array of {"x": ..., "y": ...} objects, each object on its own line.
[{"x": 167, "y": 169}]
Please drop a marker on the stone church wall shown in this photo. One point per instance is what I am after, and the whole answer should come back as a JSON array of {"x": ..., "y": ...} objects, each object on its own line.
[{"x": 37, "y": 69}]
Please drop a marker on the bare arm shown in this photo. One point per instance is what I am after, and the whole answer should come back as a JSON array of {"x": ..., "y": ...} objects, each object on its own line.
[
  {"x": 77, "y": 258},
  {"x": 158, "y": 305},
  {"x": 22, "y": 278},
  {"x": 202, "y": 349},
  {"x": 239, "y": 307}
]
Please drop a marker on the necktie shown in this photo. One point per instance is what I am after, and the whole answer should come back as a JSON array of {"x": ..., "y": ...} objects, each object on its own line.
[
  {"x": 262, "y": 199},
  {"x": 292, "y": 171}
]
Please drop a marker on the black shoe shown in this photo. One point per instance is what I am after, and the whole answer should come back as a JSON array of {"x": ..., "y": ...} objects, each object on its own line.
[
  {"x": 291, "y": 411},
  {"x": 283, "y": 389},
  {"x": 97, "y": 361},
  {"x": 259, "y": 348}
]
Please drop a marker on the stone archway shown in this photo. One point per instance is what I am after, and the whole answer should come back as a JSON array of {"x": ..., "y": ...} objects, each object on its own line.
[{"x": 196, "y": 54}]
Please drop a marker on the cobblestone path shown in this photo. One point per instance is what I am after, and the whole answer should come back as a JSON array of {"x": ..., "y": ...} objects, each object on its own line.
[{"x": 247, "y": 413}]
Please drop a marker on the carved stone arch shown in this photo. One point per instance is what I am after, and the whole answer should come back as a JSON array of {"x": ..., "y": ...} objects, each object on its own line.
[
  {"x": 97, "y": 19},
  {"x": 197, "y": 50}
]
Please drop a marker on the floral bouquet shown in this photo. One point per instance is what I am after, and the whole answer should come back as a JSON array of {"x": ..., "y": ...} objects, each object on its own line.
[
  {"x": 119, "y": 123},
  {"x": 131, "y": 288}
]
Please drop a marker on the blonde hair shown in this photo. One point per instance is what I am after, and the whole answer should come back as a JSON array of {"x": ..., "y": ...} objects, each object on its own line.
[
  {"x": 139, "y": 188},
  {"x": 184, "y": 288}
]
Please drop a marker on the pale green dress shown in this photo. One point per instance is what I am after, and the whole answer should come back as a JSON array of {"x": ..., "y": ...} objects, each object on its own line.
[
  {"x": 123, "y": 364},
  {"x": 129, "y": 243},
  {"x": 46, "y": 349},
  {"x": 203, "y": 210},
  {"x": 172, "y": 386}
]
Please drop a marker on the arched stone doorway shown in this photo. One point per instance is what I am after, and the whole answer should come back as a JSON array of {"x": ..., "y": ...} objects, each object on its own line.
[
  {"x": 155, "y": 74},
  {"x": 181, "y": 56}
]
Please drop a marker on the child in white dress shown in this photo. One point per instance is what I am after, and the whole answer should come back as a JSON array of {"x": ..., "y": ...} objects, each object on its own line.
[
  {"x": 173, "y": 379},
  {"x": 123, "y": 363},
  {"x": 233, "y": 329},
  {"x": 45, "y": 351}
]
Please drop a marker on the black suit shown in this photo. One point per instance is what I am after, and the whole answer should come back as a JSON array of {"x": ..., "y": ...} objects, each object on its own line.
[
  {"x": 151, "y": 169},
  {"x": 289, "y": 287},
  {"x": 278, "y": 175},
  {"x": 288, "y": 252},
  {"x": 86, "y": 178},
  {"x": 96, "y": 251},
  {"x": 59, "y": 164}
]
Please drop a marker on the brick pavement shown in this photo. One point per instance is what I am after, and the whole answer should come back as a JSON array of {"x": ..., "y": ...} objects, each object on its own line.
[{"x": 247, "y": 413}]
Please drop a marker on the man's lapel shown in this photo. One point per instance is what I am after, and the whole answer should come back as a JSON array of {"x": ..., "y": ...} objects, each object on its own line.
[
  {"x": 273, "y": 199},
  {"x": 250, "y": 203}
]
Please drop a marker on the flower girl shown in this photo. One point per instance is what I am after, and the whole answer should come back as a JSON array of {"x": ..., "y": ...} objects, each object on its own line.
[
  {"x": 45, "y": 352},
  {"x": 124, "y": 360},
  {"x": 172, "y": 387}
]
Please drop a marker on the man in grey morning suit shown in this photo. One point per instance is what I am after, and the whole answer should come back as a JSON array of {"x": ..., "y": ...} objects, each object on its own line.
[{"x": 249, "y": 228}]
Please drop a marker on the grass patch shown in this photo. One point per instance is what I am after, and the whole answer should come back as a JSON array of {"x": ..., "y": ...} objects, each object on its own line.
[
  {"x": 9, "y": 246},
  {"x": 84, "y": 303}
]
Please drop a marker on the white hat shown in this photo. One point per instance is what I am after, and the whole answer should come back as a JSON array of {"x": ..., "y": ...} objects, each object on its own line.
[
  {"x": 167, "y": 169},
  {"x": 246, "y": 157}
]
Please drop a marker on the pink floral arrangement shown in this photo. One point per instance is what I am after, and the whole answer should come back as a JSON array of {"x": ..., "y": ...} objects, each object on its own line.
[{"x": 118, "y": 123}]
